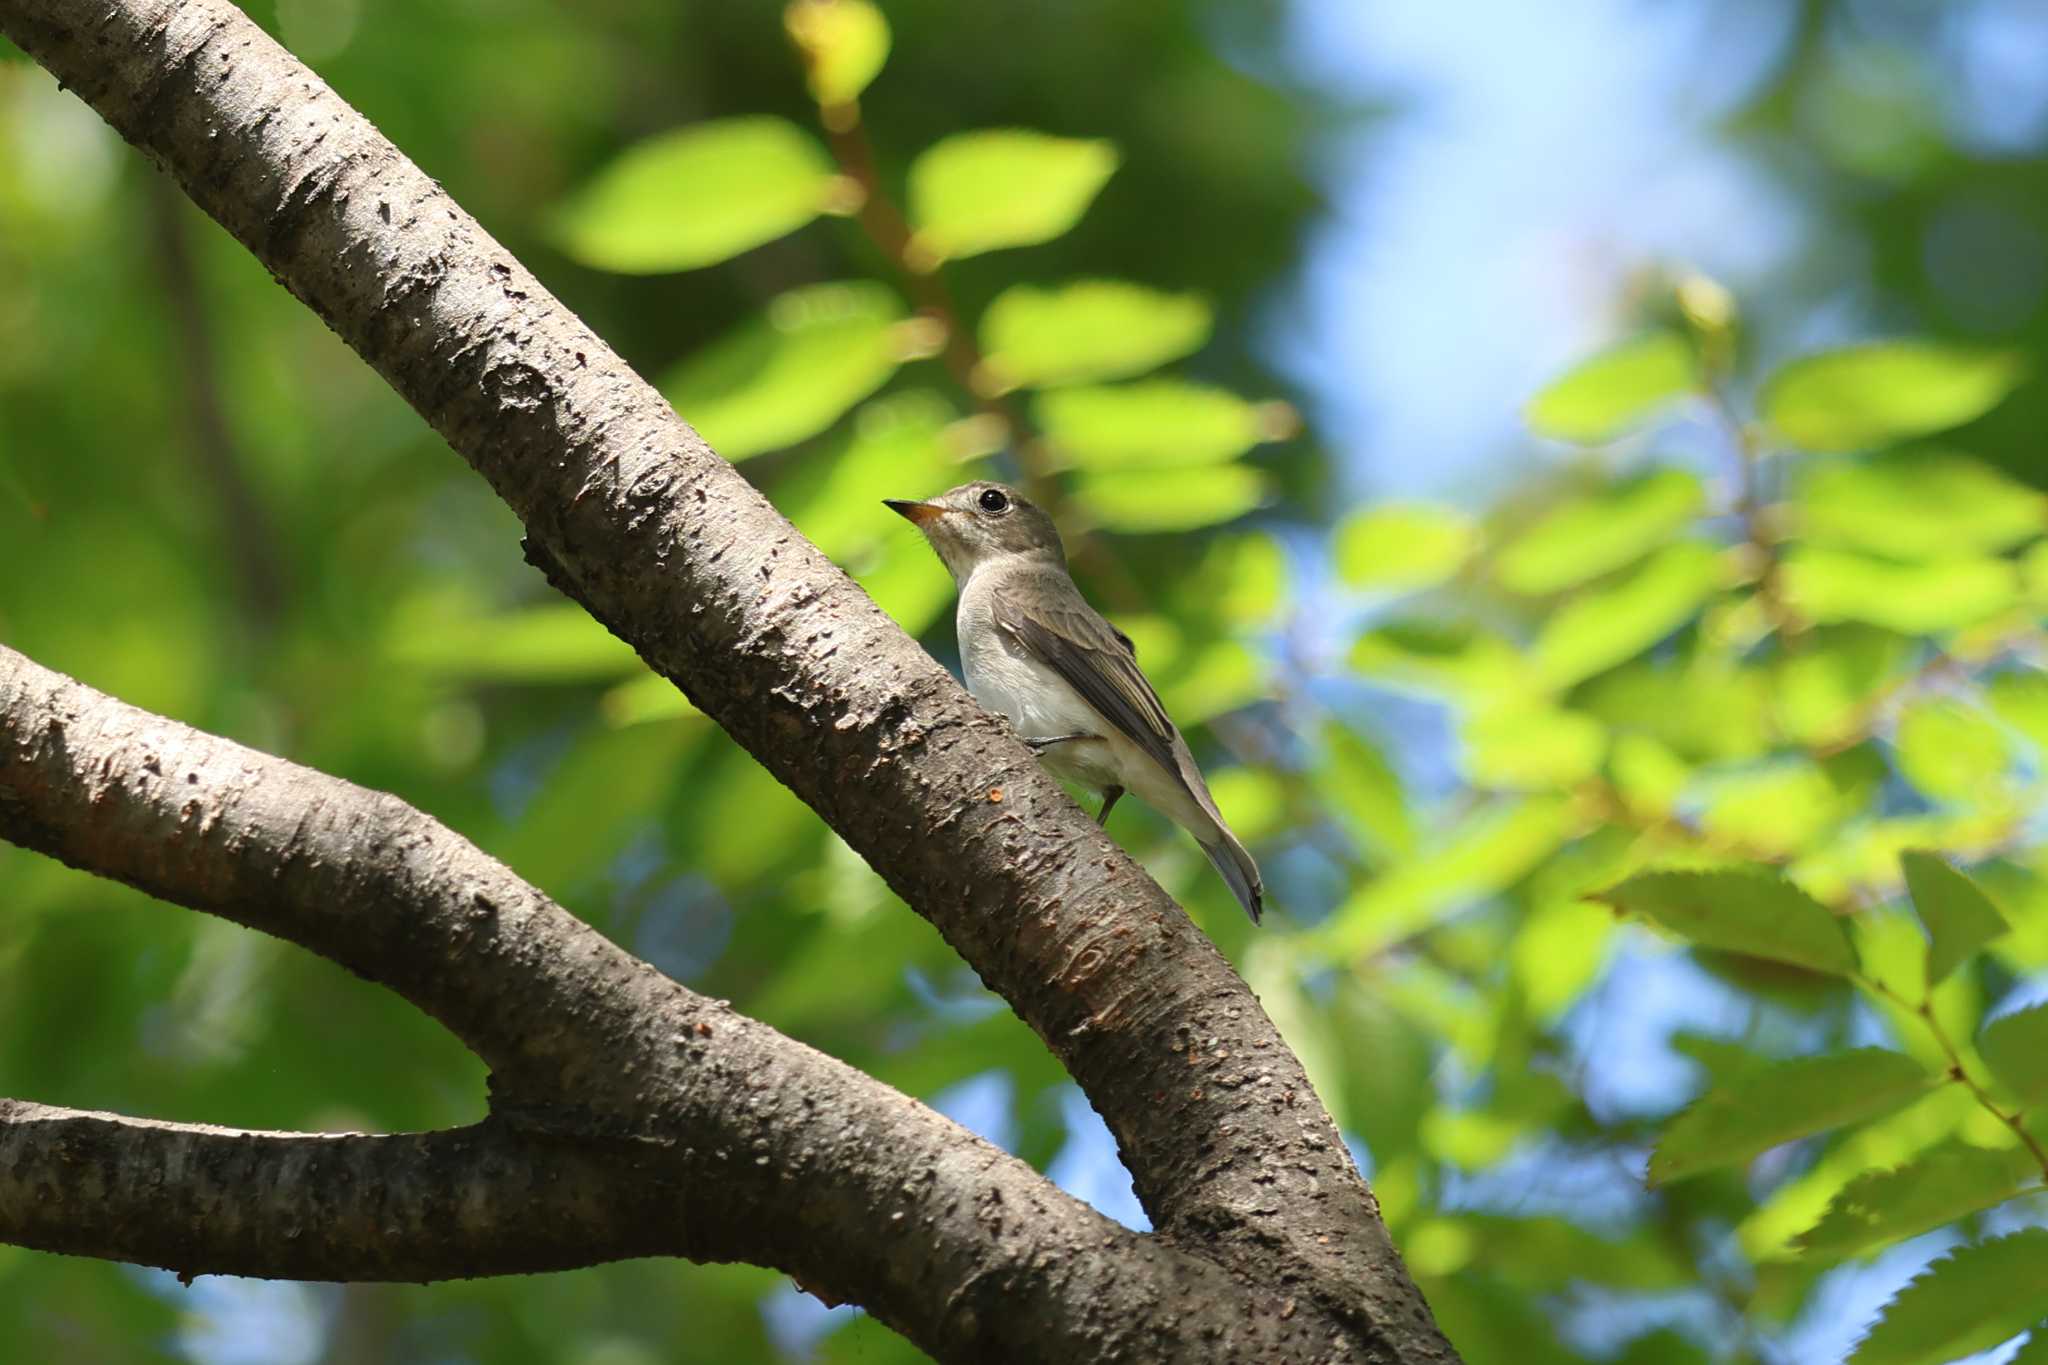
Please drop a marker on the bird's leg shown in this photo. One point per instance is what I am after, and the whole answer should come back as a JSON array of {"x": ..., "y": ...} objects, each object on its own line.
[
  {"x": 1110, "y": 796},
  {"x": 1039, "y": 746}
]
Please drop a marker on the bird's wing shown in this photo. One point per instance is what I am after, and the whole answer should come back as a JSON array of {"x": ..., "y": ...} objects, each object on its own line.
[{"x": 1093, "y": 657}]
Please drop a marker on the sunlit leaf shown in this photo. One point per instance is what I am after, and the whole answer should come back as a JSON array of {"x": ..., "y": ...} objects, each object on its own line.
[
  {"x": 1916, "y": 504},
  {"x": 896, "y": 449},
  {"x": 1599, "y": 532},
  {"x": 1740, "y": 912},
  {"x": 1823, "y": 691},
  {"x": 1702, "y": 706},
  {"x": 697, "y": 196},
  {"x": 1958, "y": 916},
  {"x": 1085, "y": 331},
  {"x": 1156, "y": 423},
  {"x": 1615, "y": 390},
  {"x": 642, "y": 700},
  {"x": 789, "y": 375},
  {"x": 1170, "y": 500},
  {"x": 1600, "y": 629},
  {"x": 1487, "y": 850},
  {"x": 1647, "y": 774},
  {"x": 1782, "y": 1102},
  {"x": 2019, "y": 697},
  {"x": 1949, "y": 750},
  {"x": 1546, "y": 1254},
  {"x": 1532, "y": 746},
  {"x": 556, "y": 642},
  {"x": 1559, "y": 952},
  {"x": 1450, "y": 658},
  {"x": 1239, "y": 579},
  {"x": 1773, "y": 809},
  {"x": 1252, "y": 800},
  {"x": 1367, "y": 792},
  {"x": 976, "y": 192},
  {"x": 2015, "y": 1047},
  {"x": 1403, "y": 546},
  {"x": 1914, "y": 599},
  {"x": 1883, "y": 392},
  {"x": 843, "y": 44},
  {"x": 1974, "y": 1297},
  {"x": 1939, "y": 1186}
]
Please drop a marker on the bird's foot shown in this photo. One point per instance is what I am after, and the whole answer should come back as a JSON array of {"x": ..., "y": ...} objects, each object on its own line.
[{"x": 1110, "y": 796}]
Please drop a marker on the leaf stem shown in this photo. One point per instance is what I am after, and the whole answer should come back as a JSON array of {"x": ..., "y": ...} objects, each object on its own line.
[
  {"x": 1749, "y": 508},
  {"x": 1924, "y": 1011}
]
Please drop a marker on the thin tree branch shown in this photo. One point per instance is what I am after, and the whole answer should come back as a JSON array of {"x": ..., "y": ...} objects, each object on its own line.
[
  {"x": 671, "y": 548},
  {"x": 729, "y": 1141},
  {"x": 242, "y": 523}
]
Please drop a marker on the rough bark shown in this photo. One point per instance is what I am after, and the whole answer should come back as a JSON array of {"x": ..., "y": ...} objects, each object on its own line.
[
  {"x": 631, "y": 514},
  {"x": 630, "y": 1116}
]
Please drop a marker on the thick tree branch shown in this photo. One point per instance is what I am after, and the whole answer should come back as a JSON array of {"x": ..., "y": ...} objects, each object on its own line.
[
  {"x": 669, "y": 1124},
  {"x": 671, "y": 548}
]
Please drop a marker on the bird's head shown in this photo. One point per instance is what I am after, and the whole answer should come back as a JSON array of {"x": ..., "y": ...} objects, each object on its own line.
[{"x": 977, "y": 523}]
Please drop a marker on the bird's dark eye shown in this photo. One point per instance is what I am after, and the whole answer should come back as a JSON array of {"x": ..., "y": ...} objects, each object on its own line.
[{"x": 994, "y": 500}]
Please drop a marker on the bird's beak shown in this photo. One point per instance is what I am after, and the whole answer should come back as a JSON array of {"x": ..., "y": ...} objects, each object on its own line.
[{"x": 919, "y": 512}]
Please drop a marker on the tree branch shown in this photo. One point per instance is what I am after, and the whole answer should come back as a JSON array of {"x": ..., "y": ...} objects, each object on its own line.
[
  {"x": 672, "y": 549},
  {"x": 666, "y": 1123},
  {"x": 484, "y": 1200}
]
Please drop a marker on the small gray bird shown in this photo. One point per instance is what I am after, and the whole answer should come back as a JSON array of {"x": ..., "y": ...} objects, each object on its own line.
[{"x": 1036, "y": 652}]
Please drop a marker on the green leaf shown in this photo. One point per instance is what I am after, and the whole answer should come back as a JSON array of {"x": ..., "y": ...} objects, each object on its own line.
[
  {"x": 1939, "y": 1186},
  {"x": 1451, "y": 658},
  {"x": 1491, "y": 848},
  {"x": 896, "y": 449},
  {"x": 1825, "y": 692},
  {"x": 1085, "y": 331},
  {"x": 2015, "y": 1047},
  {"x": 1170, "y": 500},
  {"x": 1599, "y": 532},
  {"x": 1600, "y": 629},
  {"x": 1615, "y": 390},
  {"x": 2035, "y": 1352},
  {"x": 1916, "y": 504},
  {"x": 1701, "y": 705},
  {"x": 1782, "y": 1102},
  {"x": 1740, "y": 911},
  {"x": 1959, "y": 917},
  {"x": 2019, "y": 697},
  {"x": 1914, "y": 599},
  {"x": 1404, "y": 546},
  {"x": 557, "y": 642},
  {"x": 843, "y": 44},
  {"x": 1647, "y": 774},
  {"x": 1159, "y": 423},
  {"x": 786, "y": 377},
  {"x": 976, "y": 192},
  {"x": 1366, "y": 793},
  {"x": 1950, "y": 751},
  {"x": 697, "y": 196},
  {"x": 1774, "y": 809},
  {"x": 1976, "y": 1296},
  {"x": 1884, "y": 392},
  {"x": 1521, "y": 746}
]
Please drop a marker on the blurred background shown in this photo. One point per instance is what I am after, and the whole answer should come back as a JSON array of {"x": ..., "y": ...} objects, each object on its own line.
[{"x": 1460, "y": 643}]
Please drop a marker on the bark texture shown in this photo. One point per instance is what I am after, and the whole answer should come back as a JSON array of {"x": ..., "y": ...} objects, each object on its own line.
[
  {"x": 631, "y": 514},
  {"x": 630, "y": 1116}
]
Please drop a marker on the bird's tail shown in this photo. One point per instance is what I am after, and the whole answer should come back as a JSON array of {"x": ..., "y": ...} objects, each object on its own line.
[{"x": 1238, "y": 871}]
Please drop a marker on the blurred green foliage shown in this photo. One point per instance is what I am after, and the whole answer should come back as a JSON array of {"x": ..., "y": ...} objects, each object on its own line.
[{"x": 1653, "y": 726}]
